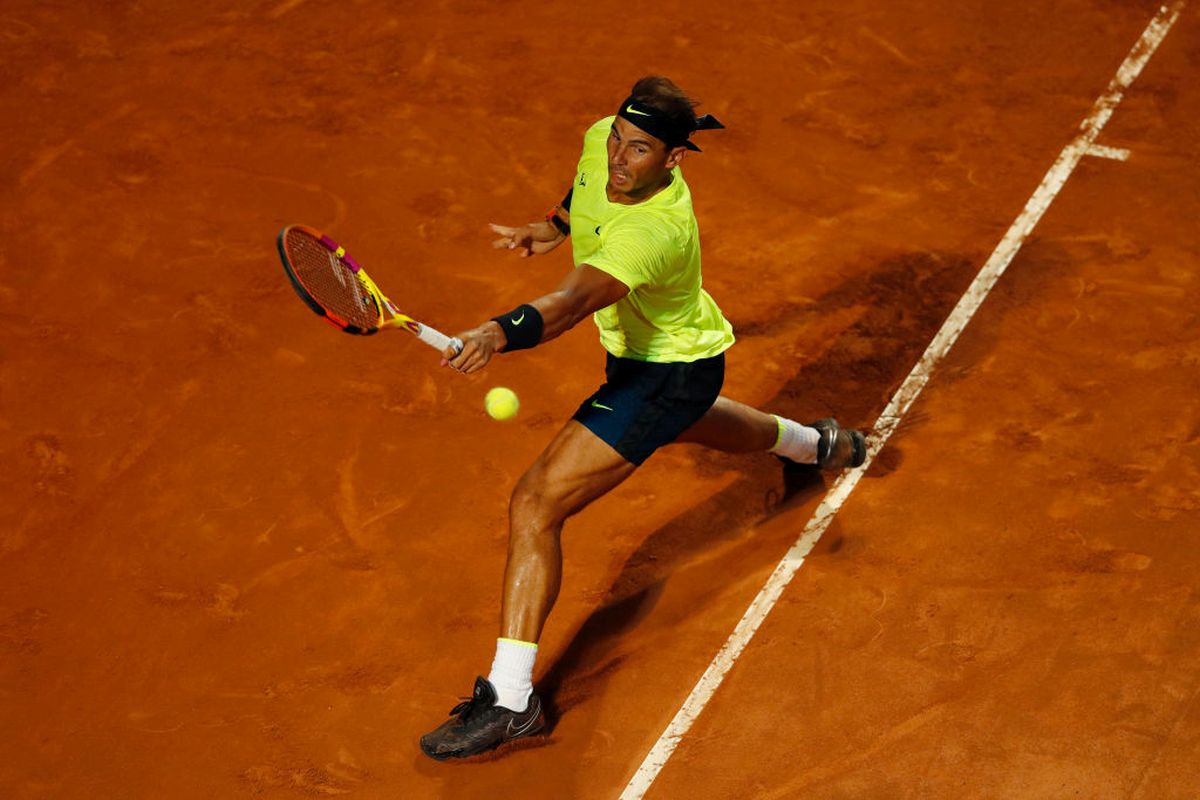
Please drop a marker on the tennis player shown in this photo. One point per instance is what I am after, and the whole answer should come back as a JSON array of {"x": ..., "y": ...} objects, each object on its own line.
[{"x": 637, "y": 274}]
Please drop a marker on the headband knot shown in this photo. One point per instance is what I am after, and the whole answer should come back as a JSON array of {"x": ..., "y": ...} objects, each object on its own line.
[{"x": 674, "y": 133}]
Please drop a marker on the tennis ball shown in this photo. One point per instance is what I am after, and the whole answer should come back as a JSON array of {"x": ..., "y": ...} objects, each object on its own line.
[{"x": 501, "y": 403}]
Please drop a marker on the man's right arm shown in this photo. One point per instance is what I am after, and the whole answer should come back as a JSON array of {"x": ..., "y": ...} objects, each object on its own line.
[{"x": 584, "y": 291}]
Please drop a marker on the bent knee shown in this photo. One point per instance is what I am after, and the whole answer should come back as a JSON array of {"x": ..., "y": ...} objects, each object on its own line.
[{"x": 534, "y": 500}]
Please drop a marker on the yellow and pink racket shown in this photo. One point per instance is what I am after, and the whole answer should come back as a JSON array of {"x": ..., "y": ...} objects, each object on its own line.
[{"x": 339, "y": 290}]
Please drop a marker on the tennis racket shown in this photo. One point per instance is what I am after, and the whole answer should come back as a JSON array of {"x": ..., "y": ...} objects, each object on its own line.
[{"x": 333, "y": 285}]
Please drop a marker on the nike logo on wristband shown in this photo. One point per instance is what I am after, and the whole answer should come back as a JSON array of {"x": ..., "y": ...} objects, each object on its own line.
[
  {"x": 519, "y": 320},
  {"x": 596, "y": 404}
]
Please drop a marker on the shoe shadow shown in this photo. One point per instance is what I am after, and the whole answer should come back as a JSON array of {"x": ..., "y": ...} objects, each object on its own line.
[{"x": 902, "y": 303}]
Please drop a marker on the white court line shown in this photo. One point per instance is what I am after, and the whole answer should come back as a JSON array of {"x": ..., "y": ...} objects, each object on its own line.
[
  {"x": 991, "y": 271},
  {"x": 1103, "y": 151}
]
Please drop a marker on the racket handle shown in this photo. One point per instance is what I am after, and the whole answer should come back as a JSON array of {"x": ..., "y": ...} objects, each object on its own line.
[{"x": 438, "y": 340}]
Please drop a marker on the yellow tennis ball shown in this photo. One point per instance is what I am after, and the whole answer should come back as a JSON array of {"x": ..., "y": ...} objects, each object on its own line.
[{"x": 501, "y": 403}]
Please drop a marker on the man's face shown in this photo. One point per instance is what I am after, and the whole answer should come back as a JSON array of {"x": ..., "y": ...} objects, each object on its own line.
[{"x": 638, "y": 163}]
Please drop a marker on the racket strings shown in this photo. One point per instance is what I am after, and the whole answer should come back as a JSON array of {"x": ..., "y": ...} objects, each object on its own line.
[{"x": 331, "y": 282}]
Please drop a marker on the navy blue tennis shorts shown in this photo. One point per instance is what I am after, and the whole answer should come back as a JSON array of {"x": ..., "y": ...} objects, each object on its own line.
[{"x": 645, "y": 405}]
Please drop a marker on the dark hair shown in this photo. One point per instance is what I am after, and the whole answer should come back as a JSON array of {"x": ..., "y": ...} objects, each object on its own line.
[{"x": 663, "y": 95}]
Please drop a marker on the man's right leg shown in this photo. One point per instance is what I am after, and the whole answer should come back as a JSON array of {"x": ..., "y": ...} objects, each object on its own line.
[
  {"x": 733, "y": 427},
  {"x": 576, "y": 468}
]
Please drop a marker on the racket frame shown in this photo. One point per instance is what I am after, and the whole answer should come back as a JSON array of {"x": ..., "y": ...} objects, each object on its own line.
[{"x": 389, "y": 315}]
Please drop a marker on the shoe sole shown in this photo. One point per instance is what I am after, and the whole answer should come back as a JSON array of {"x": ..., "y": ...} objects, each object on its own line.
[
  {"x": 858, "y": 442},
  {"x": 860, "y": 448},
  {"x": 534, "y": 731},
  {"x": 483, "y": 750}
]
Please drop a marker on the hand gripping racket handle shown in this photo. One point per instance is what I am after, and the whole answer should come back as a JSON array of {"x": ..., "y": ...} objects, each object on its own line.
[
  {"x": 438, "y": 340},
  {"x": 430, "y": 336}
]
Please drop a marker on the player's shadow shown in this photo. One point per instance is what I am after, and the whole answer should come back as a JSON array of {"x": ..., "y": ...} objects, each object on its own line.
[
  {"x": 588, "y": 660},
  {"x": 901, "y": 305}
]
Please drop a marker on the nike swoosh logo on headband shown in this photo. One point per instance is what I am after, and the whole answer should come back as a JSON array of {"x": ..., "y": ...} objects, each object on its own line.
[{"x": 629, "y": 109}]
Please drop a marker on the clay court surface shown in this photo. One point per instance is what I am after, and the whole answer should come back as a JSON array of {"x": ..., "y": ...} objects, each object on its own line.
[{"x": 244, "y": 555}]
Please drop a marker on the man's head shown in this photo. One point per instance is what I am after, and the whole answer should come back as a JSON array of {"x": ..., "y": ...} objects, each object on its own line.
[{"x": 650, "y": 136}]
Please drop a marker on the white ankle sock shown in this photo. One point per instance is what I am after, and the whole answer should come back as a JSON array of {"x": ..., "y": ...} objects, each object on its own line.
[
  {"x": 512, "y": 673},
  {"x": 796, "y": 442}
]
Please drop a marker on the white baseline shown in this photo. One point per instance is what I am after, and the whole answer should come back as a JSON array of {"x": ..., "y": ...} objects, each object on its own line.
[{"x": 991, "y": 271}]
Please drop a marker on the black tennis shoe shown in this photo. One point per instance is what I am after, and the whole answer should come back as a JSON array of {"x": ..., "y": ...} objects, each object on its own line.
[
  {"x": 838, "y": 447},
  {"x": 479, "y": 725}
]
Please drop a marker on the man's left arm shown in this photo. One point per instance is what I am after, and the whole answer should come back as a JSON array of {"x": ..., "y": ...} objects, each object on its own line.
[
  {"x": 537, "y": 238},
  {"x": 583, "y": 292}
]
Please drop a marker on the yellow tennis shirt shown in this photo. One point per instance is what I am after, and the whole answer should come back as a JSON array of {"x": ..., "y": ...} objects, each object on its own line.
[{"x": 653, "y": 247}]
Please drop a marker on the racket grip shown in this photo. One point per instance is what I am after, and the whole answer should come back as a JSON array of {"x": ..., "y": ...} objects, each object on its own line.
[{"x": 438, "y": 340}]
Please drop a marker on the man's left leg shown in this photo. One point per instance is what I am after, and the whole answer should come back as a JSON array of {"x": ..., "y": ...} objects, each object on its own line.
[{"x": 733, "y": 427}]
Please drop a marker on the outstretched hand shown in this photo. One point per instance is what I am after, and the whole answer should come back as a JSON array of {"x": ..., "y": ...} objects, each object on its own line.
[{"x": 535, "y": 239}]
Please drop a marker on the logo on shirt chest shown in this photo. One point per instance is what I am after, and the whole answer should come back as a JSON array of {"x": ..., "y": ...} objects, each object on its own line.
[{"x": 583, "y": 179}]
